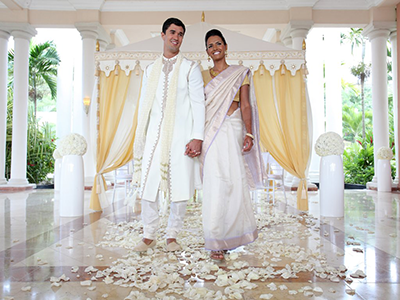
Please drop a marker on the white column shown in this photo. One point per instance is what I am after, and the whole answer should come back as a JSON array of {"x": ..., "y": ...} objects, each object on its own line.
[
  {"x": 89, "y": 36},
  {"x": 4, "y": 36},
  {"x": 20, "y": 106},
  {"x": 64, "y": 88},
  {"x": 380, "y": 121},
  {"x": 298, "y": 36},
  {"x": 396, "y": 106},
  {"x": 333, "y": 81},
  {"x": 103, "y": 45},
  {"x": 315, "y": 84},
  {"x": 287, "y": 41}
]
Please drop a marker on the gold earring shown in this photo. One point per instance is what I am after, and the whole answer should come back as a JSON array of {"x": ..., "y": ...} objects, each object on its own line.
[
  {"x": 209, "y": 59},
  {"x": 226, "y": 53}
]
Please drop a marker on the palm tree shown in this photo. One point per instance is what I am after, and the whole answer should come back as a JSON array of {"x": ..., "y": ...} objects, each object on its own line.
[
  {"x": 362, "y": 72},
  {"x": 355, "y": 38},
  {"x": 43, "y": 63}
]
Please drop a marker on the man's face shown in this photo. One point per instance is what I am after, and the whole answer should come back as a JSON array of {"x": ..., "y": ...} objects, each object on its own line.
[{"x": 172, "y": 39}]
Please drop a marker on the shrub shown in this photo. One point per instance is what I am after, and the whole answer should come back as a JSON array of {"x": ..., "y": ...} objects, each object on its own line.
[{"x": 40, "y": 148}]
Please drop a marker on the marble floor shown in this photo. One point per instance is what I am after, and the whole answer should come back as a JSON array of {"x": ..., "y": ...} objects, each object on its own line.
[{"x": 297, "y": 255}]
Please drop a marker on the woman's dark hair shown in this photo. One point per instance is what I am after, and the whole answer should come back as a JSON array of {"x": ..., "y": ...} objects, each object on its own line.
[
  {"x": 174, "y": 21},
  {"x": 214, "y": 32}
]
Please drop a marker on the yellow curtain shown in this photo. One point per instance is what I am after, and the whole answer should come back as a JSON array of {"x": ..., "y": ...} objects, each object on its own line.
[
  {"x": 112, "y": 96},
  {"x": 282, "y": 106}
]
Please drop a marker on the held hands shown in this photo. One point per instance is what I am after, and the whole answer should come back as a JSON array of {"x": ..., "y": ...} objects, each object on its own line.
[
  {"x": 193, "y": 148},
  {"x": 247, "y": 144}
]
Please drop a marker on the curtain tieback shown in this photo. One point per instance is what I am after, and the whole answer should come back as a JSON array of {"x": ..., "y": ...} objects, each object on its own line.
[
  {"x": 98, "y": 186},
  {"x": 303, "y": 188}
]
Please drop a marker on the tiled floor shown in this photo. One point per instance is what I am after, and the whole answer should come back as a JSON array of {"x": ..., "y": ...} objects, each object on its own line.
[{"x": 294, "y": 254}]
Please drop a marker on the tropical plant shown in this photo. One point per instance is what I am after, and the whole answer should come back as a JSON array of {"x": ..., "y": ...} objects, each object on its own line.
[
  {"x": 40, "y": 147},
  {"x": 352, "y": 123},
  {"x": 43, "y": 63},
  {"x": 358, "y": 163}
]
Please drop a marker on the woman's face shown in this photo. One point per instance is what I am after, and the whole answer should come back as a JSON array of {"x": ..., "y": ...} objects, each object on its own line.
[{"x": 216, "y": 48}]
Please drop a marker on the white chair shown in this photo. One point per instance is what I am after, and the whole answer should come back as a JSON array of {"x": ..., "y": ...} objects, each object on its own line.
[
  {"x": 123, "y": 178},
  {"x": 275, "y": 175}
]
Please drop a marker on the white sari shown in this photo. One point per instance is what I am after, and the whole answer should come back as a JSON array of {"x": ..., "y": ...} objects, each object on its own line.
[{"x": 228, "y": 217}]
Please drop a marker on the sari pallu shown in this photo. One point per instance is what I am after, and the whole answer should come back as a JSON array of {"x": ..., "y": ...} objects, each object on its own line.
[
  {"x": 227, "y": 173},
  {"x": 220, "y": 93}
]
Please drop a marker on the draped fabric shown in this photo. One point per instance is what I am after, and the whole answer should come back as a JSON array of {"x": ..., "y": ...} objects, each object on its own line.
[
  {"x": 117, "y": 119},
  {"x": 284, "y": 127},
  {"x": 225, "y": 86}
]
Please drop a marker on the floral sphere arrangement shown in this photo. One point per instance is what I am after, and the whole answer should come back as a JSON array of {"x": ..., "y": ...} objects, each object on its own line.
[
  {"x": 384, "y": 153},
  {"x": 72, "y": 144},
  {"x": 329, "y": 143},
  {"x": 56, "y": 154}
]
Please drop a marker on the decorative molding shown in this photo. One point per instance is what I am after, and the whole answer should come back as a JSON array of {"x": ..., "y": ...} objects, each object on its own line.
[
  {"x": 23, "y": 30},
  {"x": 93, "y": 30},
  {"x": 248, "y": 55},
  {"x": 376, "y": 29},
  {"x": 128, "y": 61}
]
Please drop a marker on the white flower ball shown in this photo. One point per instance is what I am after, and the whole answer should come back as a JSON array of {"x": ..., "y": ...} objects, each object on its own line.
[
  {"x": 329, "y": 143},
  {"x": 72, "y": 144},
  {"x": 384, "y": 153},
  {"x": 56, "y": 154}
]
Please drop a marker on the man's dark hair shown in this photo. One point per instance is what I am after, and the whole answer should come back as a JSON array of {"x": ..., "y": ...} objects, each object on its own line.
[
  {"x": 174, "y": 21},
  {"x": 214, "y": 32}
]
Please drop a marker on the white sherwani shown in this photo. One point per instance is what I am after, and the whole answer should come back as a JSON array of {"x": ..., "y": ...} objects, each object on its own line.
[{"x": 189, "y": 124}]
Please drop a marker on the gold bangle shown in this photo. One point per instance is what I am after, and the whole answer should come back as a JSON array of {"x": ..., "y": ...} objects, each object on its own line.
[{"x": 250, "y": 135}]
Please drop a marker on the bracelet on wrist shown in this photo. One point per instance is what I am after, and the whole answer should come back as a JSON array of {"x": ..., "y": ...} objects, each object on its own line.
[{"x": 250, "y": 135}]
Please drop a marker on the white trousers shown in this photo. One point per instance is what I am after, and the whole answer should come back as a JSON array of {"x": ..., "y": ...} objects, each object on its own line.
[{"x": 150, "y": 217}]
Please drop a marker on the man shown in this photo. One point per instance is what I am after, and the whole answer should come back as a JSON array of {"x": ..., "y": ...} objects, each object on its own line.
[{"x": 169, "y": 135}]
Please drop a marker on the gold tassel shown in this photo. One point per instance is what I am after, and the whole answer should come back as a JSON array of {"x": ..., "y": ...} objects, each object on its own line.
[
  {"x": 283, "y": 70},
  {"x": 261, "y": 68},
  {"x": 137, "y": 68},
  {"x": 116, "y": 68}
]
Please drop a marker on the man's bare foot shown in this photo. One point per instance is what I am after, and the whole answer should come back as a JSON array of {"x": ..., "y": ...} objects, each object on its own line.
[
  {"x": 170, "y": 241},
  {"x": 172, "y": 245}
]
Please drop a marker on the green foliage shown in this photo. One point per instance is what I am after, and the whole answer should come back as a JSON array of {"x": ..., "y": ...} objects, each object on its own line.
[
  {"x": 358, "y": 163},
  {"x": 43, "y": 64},
  {"x": 352, "y": 123},
  {"x": 40, "y": 148}
]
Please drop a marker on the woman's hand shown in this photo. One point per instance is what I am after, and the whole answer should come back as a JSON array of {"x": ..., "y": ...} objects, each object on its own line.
[
  {"x": 193, "y": 148},
  {"x": 247, "y": 144}
]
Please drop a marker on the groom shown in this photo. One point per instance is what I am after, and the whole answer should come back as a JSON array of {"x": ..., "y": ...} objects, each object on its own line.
[{"x": 169, "y": 135}]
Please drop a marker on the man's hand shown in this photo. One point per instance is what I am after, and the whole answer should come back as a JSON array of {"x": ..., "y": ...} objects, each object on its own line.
[{"x": 193, "y": 148}]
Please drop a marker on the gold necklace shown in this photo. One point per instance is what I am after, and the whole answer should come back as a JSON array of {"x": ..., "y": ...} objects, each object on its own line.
[{"x": 214, "y": 73}]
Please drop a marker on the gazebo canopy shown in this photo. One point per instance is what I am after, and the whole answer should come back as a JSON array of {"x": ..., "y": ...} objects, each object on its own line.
[{"x": 242, "y": 50}]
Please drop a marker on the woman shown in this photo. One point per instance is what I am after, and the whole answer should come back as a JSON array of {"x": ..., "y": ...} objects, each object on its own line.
[{"x": 230, "y": 159}]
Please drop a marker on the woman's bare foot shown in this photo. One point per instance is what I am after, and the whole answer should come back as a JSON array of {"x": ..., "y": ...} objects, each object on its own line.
[{"x": 217, "y": 255}]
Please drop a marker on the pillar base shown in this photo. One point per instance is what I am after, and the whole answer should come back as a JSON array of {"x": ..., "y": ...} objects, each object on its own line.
[
  {"x": 18, "y": 182},
  {"x": 9, "y": 188},
  {"x": 373, "y": 186}
]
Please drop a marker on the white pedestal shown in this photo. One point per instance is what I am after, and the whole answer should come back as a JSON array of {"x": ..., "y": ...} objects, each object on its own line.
[
  {"x": 331, "y": 186},
  {"x": 384, "y": 176},
  {"x": 57, "y": 174},
  {"x": 71, "y": 186}
]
